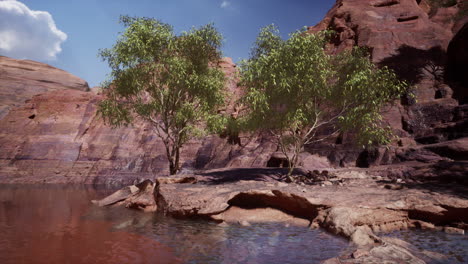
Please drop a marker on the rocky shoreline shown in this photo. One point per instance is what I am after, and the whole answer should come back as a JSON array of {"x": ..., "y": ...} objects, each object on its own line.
[
  {"x": 50, "y": 133},
  {"x": 358, "y": 208}
]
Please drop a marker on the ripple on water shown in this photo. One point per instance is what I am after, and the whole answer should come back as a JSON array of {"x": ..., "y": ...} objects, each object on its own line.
[
  {"x": 454, "y": 246},
  {"x": 202, "y": 242},
  {"x": 49, "y": 224}
]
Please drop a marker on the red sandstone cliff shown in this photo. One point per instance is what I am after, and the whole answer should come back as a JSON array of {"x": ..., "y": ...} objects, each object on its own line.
[
  {"x": 22, "y": 79},
  {"x": 410, "y": 37},
  {"x": 57, "y": 137}
]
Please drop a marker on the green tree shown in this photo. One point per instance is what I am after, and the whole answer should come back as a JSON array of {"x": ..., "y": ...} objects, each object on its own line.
[
  {"x": 171, "y": 81},
  {"x": 303, "y": 95}
]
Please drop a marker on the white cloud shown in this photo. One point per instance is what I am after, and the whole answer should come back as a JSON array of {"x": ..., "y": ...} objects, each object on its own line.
[
  {"x": 225, "y": 4},
  {"x": 28, "y": 34}
]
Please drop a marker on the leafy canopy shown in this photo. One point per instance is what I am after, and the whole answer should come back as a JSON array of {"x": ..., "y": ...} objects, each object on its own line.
[
  {"x": 168, "y": 80},
  {"x": 302, "y": 94}
]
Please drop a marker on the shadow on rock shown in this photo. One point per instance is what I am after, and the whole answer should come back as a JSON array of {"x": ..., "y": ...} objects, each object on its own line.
[
  {"x": 247, "y": 174},
  {"x": 413, "y": 64}
]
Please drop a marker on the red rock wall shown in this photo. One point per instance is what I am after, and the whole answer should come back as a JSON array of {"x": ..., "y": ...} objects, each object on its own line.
[
  {"x": 57, "y": 137},
  {"x": 399, "y": 33},
  {"x": 410, "y": 37},
  {"x": 22, "y": 79}
]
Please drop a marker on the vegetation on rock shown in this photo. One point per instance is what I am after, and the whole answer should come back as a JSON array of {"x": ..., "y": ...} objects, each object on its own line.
[
  {"x": 303, "y": 95},
  {"x": 170, "y": 81}
]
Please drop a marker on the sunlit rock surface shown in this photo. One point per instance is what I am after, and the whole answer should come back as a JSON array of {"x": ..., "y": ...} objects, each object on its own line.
[
  {"x": 358, "y": 210},
  {"x": 22, "y": 79},
  {"x": 56, "y": 137}
]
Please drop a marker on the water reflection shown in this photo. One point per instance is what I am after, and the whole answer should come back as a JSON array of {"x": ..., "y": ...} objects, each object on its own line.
[
  {"x": 46, "y": 226},
  {"x": 59, "y": 225},
  {"x": 454, "y": 246}
]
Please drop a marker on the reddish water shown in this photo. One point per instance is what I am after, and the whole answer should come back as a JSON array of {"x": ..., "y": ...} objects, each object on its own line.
[
  {"x": 47, "y": 226},
  {"x": 54, "y": 224}
]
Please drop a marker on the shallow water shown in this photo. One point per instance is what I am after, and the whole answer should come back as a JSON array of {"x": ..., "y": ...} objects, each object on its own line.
[
  {"x": 453, "y": 246},
  {"x": 57, "y": 224}
]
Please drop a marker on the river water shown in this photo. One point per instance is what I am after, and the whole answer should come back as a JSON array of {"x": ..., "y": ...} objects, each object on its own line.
[
  {"x": 453, "y": 246},
  {"x": 57, "y": 224}
]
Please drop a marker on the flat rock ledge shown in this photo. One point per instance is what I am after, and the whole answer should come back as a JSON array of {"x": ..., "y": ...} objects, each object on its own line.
[{"x": 358, "y": 210}]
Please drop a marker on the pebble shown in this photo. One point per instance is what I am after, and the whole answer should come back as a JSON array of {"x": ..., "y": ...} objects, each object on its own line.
[
  {"x": 360, "y": 253},
  {"x": 244, "y": 223},
  {"x": 314, "y": 225},
  {"x": 424, "y": 225},
  {"x": 327, "y": 183},
  {"x": 282, "y": 184},
  {"x": 453, "y": 230},
  {"x": 223, "y": 224}
]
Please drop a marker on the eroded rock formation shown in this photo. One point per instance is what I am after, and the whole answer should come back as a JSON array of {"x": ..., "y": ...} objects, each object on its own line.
[
  {"x": 411, "y": 37},
  {"x": 57, "y": 137},
  {"x": 357, "y": 210}
]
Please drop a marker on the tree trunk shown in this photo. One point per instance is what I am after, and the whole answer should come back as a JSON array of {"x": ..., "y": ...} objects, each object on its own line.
[
  {"x": 290, "y": 169},
  {"x": 174, "y": 162},
  {"x": 172, "y": 167},
  {"x": 292, "y": 164},
  {"x": 294, "y": 159}
]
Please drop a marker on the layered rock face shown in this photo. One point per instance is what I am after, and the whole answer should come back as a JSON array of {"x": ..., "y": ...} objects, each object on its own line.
[
  {"x": 22, "y": 79},
  {"x": 57, "y": 137},
  {"x": 399, "y": 34},
  {"x": 384, "y": 26},
  {"x": 411, "y": 37}
]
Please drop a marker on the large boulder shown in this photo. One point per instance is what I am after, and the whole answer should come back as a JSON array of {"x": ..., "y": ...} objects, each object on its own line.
[
  {"x": 398, "y": 33},
  {"x": 454, "y": 149},
  {"x": 412, "y": 38},
  {"x": 20, "y": 80},
  {"x": 139, "y": 196},
  {"x": 385, "y": 26}
]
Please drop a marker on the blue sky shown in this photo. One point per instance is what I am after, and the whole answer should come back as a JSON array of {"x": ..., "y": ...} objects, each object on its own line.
[{"x": 88, "y": 25}]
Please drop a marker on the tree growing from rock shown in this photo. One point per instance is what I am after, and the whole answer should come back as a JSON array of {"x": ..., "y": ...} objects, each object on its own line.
[
  {"x": 170, "y": 81},
  {"x": 304, "y": 95}
]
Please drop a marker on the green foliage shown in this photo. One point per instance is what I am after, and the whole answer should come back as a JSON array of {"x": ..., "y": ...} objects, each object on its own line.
[
  {"x": 168, "y": 80},
  {"x": 302, "y": 94}
]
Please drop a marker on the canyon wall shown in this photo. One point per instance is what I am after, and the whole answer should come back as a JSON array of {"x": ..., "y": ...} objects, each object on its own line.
[
  {"x": 411, "y": 37},
  {"x": 49, "y": 130},
  {"x": 57, "y": 137},
  {"x": 22, "y": 79}
]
